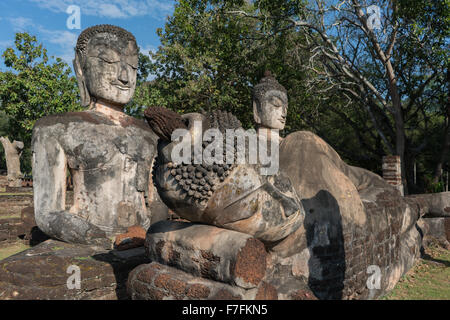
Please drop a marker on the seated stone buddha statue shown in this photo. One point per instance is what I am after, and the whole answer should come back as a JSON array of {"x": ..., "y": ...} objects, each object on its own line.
[{"x": 108, "y": 153}]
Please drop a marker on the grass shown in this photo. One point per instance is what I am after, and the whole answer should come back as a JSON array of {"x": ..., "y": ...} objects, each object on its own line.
[
  {"x": 12, "y": 248},
  {"x": 429, "y": 279},
  {"x": 9, "y": 216}
]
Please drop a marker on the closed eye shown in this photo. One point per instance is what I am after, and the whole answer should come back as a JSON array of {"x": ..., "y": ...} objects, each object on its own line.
[{"x": 107, "y": 60}]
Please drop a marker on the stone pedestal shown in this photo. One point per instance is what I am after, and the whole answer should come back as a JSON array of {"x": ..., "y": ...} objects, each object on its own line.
[
  {"x": 155, "y": 281},
  {"x": 43, "y": 272},
  {"x": 239, "y": 266},
  {"x": 206, "y": 251}
]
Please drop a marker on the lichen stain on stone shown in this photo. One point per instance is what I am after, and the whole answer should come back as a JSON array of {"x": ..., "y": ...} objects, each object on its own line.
[
  {"x": 254, "y": 206},
  {"x": 126, "y": 214}
]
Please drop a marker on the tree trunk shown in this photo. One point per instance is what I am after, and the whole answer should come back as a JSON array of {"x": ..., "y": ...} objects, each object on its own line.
[
  {"x": 400, "y": 138},
  {"x": 446, "y": 140},
  {"x": 13, "y": 151}
]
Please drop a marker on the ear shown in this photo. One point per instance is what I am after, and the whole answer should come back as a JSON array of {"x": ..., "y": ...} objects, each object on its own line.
[
  {"x": 256, "y": 113},
  {"x": 84, "y": 93}
]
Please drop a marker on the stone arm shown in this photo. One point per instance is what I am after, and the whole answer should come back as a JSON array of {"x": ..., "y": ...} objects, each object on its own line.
[
  {"x": 49, "y": 182},
  {"x": 368, "y": 183},
  {"x": 362, "y": 178},
  {"x": 290, "y": 205}
]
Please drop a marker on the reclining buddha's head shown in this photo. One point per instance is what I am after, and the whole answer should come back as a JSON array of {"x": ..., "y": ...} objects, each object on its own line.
[
  {"x": 270, "y": 103},
  {"x": 106, "y": 61}
]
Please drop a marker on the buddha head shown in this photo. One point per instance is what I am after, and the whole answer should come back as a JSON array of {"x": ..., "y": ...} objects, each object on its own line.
[
  {"x": 106, "y": 61},
  {"x": 270, "y": 103}
]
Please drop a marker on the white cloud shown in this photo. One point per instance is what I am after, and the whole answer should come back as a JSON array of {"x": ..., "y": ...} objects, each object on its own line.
[
  {"x": 20, "y": 24},
  {"x": 111, "y": 10},
  {"x": 64, "y": 39},
  {"x": 5, "y": 44},
  {"x": 157, "y": 9},
  {"x": 146, "y": 48}
]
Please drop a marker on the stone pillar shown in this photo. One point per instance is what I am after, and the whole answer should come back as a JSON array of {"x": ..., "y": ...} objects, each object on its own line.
[
  {"x": 13, "y": 151},
  {"x": 392, "y": 172}
]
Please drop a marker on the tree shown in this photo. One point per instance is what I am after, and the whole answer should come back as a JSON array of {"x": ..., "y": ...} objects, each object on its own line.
[
  {"x": 145, "y": 94},
  {"x": 209, "y": 59},
  {"x": 330, "y": 60},
  {"x": 34, "y": 87},
  {"x": 395, "y": 74}
]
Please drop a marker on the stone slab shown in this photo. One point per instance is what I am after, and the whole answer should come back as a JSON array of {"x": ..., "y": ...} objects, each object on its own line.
[{"x": 41, "y": 272}]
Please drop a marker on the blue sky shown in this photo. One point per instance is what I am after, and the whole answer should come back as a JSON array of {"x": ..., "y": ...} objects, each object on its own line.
[{"x": 47, "y": 20}]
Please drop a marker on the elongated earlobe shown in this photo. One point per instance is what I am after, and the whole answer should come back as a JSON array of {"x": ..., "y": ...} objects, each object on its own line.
[
  {"x": 256, "y": 113},
  {"x": 84, "y": 93}
]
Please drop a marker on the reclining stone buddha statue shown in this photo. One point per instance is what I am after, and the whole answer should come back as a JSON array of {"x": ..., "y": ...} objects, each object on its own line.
[
  {"x": 324, "y": 228},
  {"x": 109, "y": 154}
]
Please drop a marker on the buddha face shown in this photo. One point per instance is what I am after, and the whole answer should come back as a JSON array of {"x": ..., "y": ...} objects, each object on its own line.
[
  {"x": 110, "y": 68},
  {"x": 271, "y": 112}
]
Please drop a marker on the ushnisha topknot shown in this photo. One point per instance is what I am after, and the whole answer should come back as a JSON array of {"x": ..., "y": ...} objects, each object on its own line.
[
  {"x": 267, "y": 83},
  {"x": 88, "y": 33}
]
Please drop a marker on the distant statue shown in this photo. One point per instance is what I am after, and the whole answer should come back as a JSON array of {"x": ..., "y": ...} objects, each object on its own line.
[
  {"x": 13, "y": 151},
  {"x": 108, "y": 154}
]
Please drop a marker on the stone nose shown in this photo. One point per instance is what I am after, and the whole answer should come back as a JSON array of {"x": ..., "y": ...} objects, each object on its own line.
[{"x": 123, "y": 75}]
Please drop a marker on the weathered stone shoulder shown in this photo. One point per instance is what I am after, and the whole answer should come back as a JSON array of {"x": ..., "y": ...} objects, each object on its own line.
[
  {"x": 88, "y": 117},
  {"x": 131, "y": 121},
  {"x": 71, "y": 117}
]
